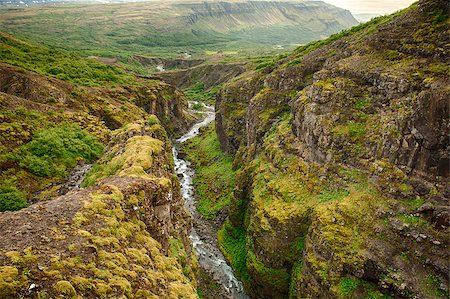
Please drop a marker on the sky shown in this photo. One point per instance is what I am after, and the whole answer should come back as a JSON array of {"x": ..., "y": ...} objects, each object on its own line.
[{"x": 372, "y": 6}]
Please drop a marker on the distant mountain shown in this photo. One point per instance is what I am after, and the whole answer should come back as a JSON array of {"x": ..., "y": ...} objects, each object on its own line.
[{"x": 139, "y": 26}]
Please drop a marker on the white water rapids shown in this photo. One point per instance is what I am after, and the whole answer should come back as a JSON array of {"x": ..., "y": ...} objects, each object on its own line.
[{"x": 209, "y": 256}]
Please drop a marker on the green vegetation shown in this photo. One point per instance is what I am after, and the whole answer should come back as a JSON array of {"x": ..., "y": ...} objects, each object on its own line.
[
  {"x": 62, "y": 65},
  {"x": 412, "y": 220},
  {"x": 362, "y": 29},
  {"x": 434, "y": 287},
  {"x": 11, "y": 199},
  {"x": 215, "y": 178},
  {"x": 198, "y": 93},
  {"x": 123, "y": 30},
  {"x": 348, "y": 286},
  {"x": 232, "y": 243},
  {"x": 275, "y": 278},
  {"x": 52, "y": 152}
]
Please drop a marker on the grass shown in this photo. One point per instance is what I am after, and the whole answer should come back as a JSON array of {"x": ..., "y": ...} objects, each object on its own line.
[
  {"x": 198, "y": 93},
  {"x": 53, "y": 151},
  {"x": 347, "y": 286},
  {"x": 412, "y": 220},
  {"x": 123, "y": 30},
  {"x": 59, "y": 64},
  {"x": 215, "y": 178},
  {"x": 232, "y": 244}
]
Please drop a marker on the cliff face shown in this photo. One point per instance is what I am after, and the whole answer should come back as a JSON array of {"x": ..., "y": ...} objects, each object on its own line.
[
  {"x": 343, "y": 149},
  {"x": 126, "y": 236},
  {"x": 315, "y": 16}
]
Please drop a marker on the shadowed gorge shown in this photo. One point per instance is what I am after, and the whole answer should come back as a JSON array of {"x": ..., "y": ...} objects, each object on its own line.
[{"x": 224, "y": 149}]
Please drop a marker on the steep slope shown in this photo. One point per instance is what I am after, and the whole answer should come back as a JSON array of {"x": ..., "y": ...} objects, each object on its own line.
[
  {"x": 36, "y": 155},
  {"x": 125, "y": 237},
  {"x": 343, "y": 156}
]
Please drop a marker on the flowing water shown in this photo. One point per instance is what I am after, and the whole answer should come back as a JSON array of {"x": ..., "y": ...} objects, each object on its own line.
[{"x": 209, "y": 256}]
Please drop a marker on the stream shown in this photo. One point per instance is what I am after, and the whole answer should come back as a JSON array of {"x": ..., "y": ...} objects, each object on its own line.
[{"x": 202, "y": 236}]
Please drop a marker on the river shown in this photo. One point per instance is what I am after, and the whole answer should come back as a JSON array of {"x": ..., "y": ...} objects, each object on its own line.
[{"x": 205, "y": 245}]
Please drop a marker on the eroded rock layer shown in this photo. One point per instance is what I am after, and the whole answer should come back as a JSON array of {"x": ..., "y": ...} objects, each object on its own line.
[
  {"x": 344, "y": 164},
  {"x": 127, "y": 236}
]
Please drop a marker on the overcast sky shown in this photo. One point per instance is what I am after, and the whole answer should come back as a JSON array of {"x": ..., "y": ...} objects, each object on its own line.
[{"x": 371, "y": 6}]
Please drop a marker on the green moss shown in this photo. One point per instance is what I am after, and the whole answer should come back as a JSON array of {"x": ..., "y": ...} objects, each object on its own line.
[
  {"x": 356, "y": 131},
  {"x": 232, "y": 243},
  {"x": 325, "y": 196},
  {"x": 296, "y": 278},
  {"x": 135, "y": 161},
  {"x": 8, "y": 281},
  {"x": 273, "y": 278},
  {"x": 152, "y": 120},
  {"x": 65, "y": 288}
]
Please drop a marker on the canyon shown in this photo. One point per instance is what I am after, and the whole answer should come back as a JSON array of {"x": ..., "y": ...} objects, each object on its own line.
[{"x": 320, "y": 173}]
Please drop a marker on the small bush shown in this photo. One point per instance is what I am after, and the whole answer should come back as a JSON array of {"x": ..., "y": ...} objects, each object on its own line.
[
  {"x": 11, "y": 199},
  {"x": 52, "y": 152},
  {"x": 348, "y": 286}
]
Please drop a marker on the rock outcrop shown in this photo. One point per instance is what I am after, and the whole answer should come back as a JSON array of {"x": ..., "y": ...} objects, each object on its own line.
[
  {"x": 344, "y": 163},
  {"x": 125, "y": 237}
]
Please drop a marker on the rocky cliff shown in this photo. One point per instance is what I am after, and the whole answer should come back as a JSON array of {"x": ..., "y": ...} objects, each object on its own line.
[
  {"x": 125, "y": 237},
  {"x": 210, "y": 75},
  {"x": 343, "y": 155}
]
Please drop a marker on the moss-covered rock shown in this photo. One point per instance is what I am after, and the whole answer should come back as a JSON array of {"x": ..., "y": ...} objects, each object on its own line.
[
  {"x": 341, "y": 192},
  {"x": 125, "y": 237}
]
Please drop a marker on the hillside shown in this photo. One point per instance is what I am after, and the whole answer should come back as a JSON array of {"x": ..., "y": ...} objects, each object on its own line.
[
  {"x": 68, "y": 122},
  {"x": 342, "y": 150},
  {"x": 171, "y": 28},
  {"x": 36, "y": 108},
  {"x": 325, "y": 173}
]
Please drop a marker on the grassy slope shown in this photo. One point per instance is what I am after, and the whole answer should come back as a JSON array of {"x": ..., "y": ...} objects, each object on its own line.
[{"x": 62, "y": 65}]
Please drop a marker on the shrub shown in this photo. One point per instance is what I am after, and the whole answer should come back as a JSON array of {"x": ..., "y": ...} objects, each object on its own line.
[
  {"x": 11, "y": 199},
  {"x": 53, "y": 151},
  {"x": 348, "y": 286}
]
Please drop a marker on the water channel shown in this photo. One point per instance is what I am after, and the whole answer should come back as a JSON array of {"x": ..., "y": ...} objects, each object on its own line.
[{"x": 209, "y": 256}]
